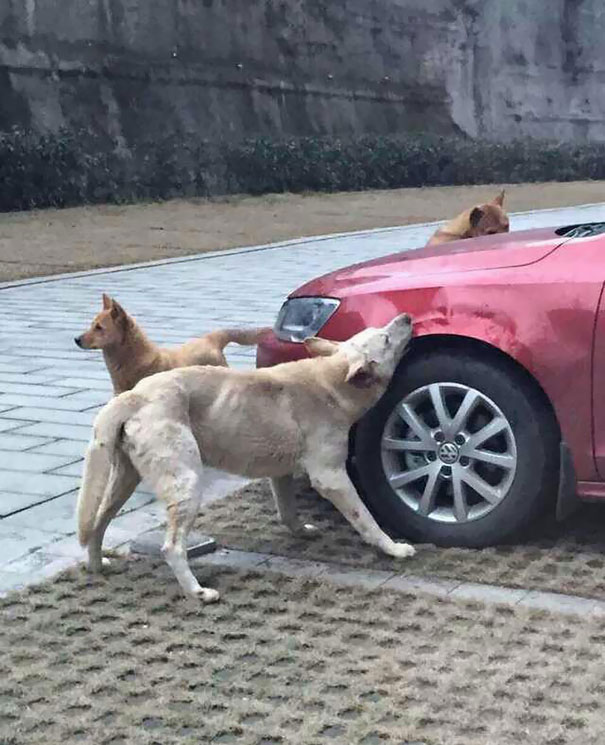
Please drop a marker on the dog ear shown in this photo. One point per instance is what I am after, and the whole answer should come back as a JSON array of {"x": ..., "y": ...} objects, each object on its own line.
[
  {"x": 317, "y": 347},
  {"x": 475, "y": 216},
  {"x": 362, "y": 374},
  {"x": 499, "y": 200},
  {"x": 106, "y": 302},
  {"x": 117, "y": 312}
]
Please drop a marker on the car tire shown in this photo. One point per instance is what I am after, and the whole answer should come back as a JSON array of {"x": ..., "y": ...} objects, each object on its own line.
[{"x": 530, "y": 442}]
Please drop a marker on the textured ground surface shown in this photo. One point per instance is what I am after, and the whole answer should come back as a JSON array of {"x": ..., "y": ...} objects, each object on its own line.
[
  {"x": 53, "y": 241},
  {"x": 567, "y": 558},
  {"x": 123, "y": 659}
]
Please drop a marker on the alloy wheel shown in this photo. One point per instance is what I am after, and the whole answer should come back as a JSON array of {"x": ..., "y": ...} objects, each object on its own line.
[{"x": 449, "y": 452}]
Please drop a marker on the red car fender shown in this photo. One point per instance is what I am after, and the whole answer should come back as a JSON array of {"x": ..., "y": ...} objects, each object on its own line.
[{"x": 537, "y": 327}]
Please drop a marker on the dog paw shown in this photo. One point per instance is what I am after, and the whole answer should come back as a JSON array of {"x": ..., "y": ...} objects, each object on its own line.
[
  {"x": 401, "y": 550},
  {"x": 306, "y": 531},
  {"x": 207, "y": 595},
  {"x": 96, "y": 566}
]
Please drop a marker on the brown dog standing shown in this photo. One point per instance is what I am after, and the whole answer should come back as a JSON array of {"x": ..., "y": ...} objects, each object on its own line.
[
  {"x": 130, "y": 355},
  {"x": 483, "y": 219}
]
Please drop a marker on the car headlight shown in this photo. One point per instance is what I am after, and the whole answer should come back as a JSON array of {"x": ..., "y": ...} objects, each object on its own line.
[{"x": 301, "y": 317}]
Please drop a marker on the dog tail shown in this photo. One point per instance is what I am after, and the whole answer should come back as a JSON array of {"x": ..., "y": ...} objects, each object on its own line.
[
  {"x": 244, "y": 337},
  {"x": 99, "y": 459}
]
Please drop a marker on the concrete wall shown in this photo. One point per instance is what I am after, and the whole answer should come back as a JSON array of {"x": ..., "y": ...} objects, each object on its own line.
[{"x": 139, "y": 69}]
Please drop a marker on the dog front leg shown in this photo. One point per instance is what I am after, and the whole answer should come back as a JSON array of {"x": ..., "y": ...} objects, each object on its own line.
[
  {"x": 284, "y": 494},
  {"x": 335, "y": 486}
]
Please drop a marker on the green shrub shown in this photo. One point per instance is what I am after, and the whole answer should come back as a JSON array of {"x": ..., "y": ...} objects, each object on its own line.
[{"x": 69, "y": 168}]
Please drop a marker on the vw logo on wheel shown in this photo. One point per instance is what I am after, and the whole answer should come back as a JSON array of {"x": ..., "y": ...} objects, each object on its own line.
[{"x": 448, "y": 453}]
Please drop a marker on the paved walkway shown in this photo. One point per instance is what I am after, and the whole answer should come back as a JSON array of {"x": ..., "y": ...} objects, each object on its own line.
[{"x": 50, "y": 391}]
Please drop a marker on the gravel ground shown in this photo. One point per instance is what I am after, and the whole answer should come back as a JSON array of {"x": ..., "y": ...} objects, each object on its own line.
[
  {"x": 123, "y": 659},
  {"x": 53, "y": 241},
  {"x": 567, "y": 558}
]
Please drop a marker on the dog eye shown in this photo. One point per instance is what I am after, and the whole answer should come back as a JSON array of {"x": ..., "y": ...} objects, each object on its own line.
[{"x": 98, "y": 327}]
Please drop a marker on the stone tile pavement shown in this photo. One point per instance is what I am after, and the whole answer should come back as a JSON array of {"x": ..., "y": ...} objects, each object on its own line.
[{"x": 50, "y": 390}]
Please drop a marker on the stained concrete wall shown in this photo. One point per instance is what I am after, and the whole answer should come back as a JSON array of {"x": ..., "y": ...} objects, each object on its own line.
[{"x": 139, "y": 69}]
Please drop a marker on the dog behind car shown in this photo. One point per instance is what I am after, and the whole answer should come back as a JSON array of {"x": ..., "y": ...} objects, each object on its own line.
[{"x": 482, "y": 219}]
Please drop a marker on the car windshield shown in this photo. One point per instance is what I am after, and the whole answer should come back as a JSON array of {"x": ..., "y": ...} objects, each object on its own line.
[{"x": 586, "y": 230}]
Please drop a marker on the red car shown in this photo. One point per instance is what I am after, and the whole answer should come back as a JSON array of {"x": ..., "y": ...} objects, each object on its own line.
[{"x": 496, "y": 410}]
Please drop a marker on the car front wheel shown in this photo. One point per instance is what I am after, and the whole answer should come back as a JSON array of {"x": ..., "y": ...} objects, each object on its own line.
[{"x": 461, "y": 450}]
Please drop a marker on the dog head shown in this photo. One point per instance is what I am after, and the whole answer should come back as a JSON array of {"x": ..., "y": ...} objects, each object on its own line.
[
  {"x": 107, "y": 328},
  {"x": 488, "y": 219},
  {"x": 372, "y": 354}
]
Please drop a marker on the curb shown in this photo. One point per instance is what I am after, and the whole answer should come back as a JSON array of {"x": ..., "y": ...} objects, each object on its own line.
[{"x": 377, "y": 579}]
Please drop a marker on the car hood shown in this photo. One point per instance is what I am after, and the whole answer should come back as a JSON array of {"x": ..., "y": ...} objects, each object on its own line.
[{"x": 490, "y": 252}]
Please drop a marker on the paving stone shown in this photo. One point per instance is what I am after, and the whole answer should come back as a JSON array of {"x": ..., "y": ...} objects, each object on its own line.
[
  {"x": 141, "y": 499},
  {"x": 50, "y": 415},
  {"x": 76, "y": 448},
  {"x": 73, "y": 469},
  {"x": 90, "y": 383},
  {"x": 15, "y": 441},
  {"x": 489, "y": 593},
  {"x": 30, "y": 378},
  {"x": 87, "y": 398},
  {"x": 44, "y": 484},
  {"x": 86, "y": 371},
  {"x": 39, "y": 390},
  {"x": 40, "y": 564},
  {"x": 54, "y": 429},
  {"x": 13, "y": 502},
  {"x": 432, "y": 586},
  {"x": 550, "y": 601},
  {"x": 231, "y": 558},
  {"x": 34, "y": 462},
  {"x": 44, "y": 354},
  {"x": 18, "y": 366},
  {"x": 66, "y": 546},
  {"x": 65, "y": 403},
  {"x": 57, "y": 516},
  {"x": 116, "y": 536},
  {"x": 136, "y": 522},
  {"x": 368, "y": 578},
  {"x": 19, "y": 541},
  {"x": 8, "y": 425}
]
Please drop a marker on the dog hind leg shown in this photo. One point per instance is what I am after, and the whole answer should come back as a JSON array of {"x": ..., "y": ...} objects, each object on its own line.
[
  {"x": 284, "y": 494},
  {"x": 181, "y": 515},
  {"x": 174, "y": 471},
  {"x": 123, "y": 481}
]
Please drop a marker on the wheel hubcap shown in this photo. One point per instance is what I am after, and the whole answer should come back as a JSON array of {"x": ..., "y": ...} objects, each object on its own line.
[{"x": 449, "y": 452}]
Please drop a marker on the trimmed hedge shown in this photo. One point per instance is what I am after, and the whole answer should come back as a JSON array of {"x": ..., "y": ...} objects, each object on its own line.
[{"x": 69, "y": 168}]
